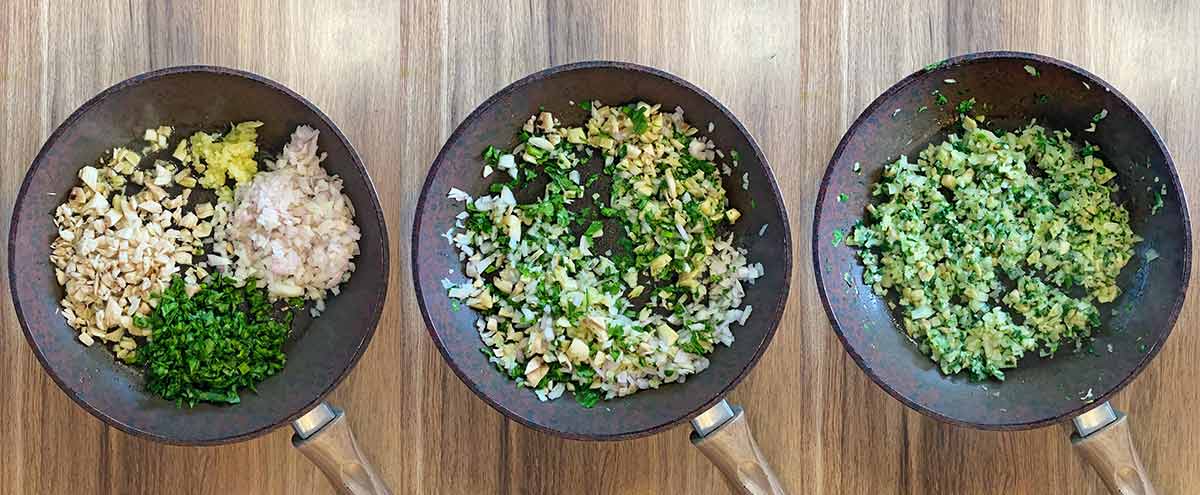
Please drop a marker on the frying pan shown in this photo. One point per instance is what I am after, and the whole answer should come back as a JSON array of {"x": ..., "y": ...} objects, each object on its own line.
[
  {"x": 319, "y": 351},
  {"x": 496, "y": 122},
  {"x": 1040, "y": 391}
]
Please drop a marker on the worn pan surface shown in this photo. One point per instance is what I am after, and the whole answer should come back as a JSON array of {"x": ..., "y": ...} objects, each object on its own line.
[
  {"x": 319, "y": 352},
  {"x": 1041, "y": 390},
  {"x": 495, "y": 122}
]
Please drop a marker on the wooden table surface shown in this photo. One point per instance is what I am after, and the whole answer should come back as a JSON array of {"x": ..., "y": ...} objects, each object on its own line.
[{"x": 397, "y": 77}]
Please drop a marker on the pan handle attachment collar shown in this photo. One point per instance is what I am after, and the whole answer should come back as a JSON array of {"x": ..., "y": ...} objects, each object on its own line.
[
  {"x": 713, "y": 418},
  {"x": 1096, "y": 419},
  {"x": 323, "y": 435},
  {"x": 723, "y": 435},
  {"x": 312, "y": 421},
  {"x": 1105, "y": 442}
]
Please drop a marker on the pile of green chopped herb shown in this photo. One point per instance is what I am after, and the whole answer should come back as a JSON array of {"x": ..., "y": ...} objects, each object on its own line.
[{"x": 207, "y": 347}]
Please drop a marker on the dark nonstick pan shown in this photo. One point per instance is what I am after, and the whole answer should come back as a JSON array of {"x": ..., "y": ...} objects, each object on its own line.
[
  {"x": 320, "y": 352},
  {"x": 496, "y": 122},
  {"x": 1040, "y": 391}
]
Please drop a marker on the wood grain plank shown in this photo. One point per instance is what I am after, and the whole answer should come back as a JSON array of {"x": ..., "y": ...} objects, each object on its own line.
[
  {"x": 39, "y": 414},
  {"x": 22, "y": 59},
  {"x": 398, "y": 76}
]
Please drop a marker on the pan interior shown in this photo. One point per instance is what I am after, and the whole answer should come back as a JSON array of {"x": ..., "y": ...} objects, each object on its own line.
[
  {"x": 496, "y": 122},
  {"x": 1040, "y": 390},
  {"x": 319, "y": 352}
]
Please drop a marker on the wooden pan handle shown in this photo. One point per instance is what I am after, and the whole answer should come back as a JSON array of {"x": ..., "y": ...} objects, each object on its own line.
[
  {"x": 334, "y": 450},
  {"x": 733, "y": 449},
  {"x": 1111, "y": 452}
]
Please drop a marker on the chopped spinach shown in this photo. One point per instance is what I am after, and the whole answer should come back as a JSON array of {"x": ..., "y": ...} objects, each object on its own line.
[{"x": 209, "y": 346}]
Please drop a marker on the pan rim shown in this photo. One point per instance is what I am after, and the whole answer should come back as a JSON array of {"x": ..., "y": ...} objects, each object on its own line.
[
  {"x": 418, "y": 214},
  {"x": 38, "y": 162},
  {"x": 1174, "y": 177}
]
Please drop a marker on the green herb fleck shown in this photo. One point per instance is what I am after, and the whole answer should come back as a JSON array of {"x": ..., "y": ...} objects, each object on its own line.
[
  {"x": 492, "y": 155},
  {"x": 843, "y": 197},
  {"x": 923, "y": 109},
  {"x": 965, "y": 106},
  {"x": 587, "y": 105},
  {"x": 584, "y": 372},
  {"x": 1031, "y": 70},
  {"x": 596, "y": 229},
  {"x": 587, "y": 397},
  {"x": 638, "y": 115},
  {"x": 1100, "y": 116},
  {"x": 936, "y": 65},
  {"x": 838, "y": 235},
  {"x": 939, "y": 98}
]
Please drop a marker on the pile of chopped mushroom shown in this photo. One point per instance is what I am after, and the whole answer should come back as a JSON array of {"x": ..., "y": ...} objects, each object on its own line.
[{"x": 115, "y": 251}]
